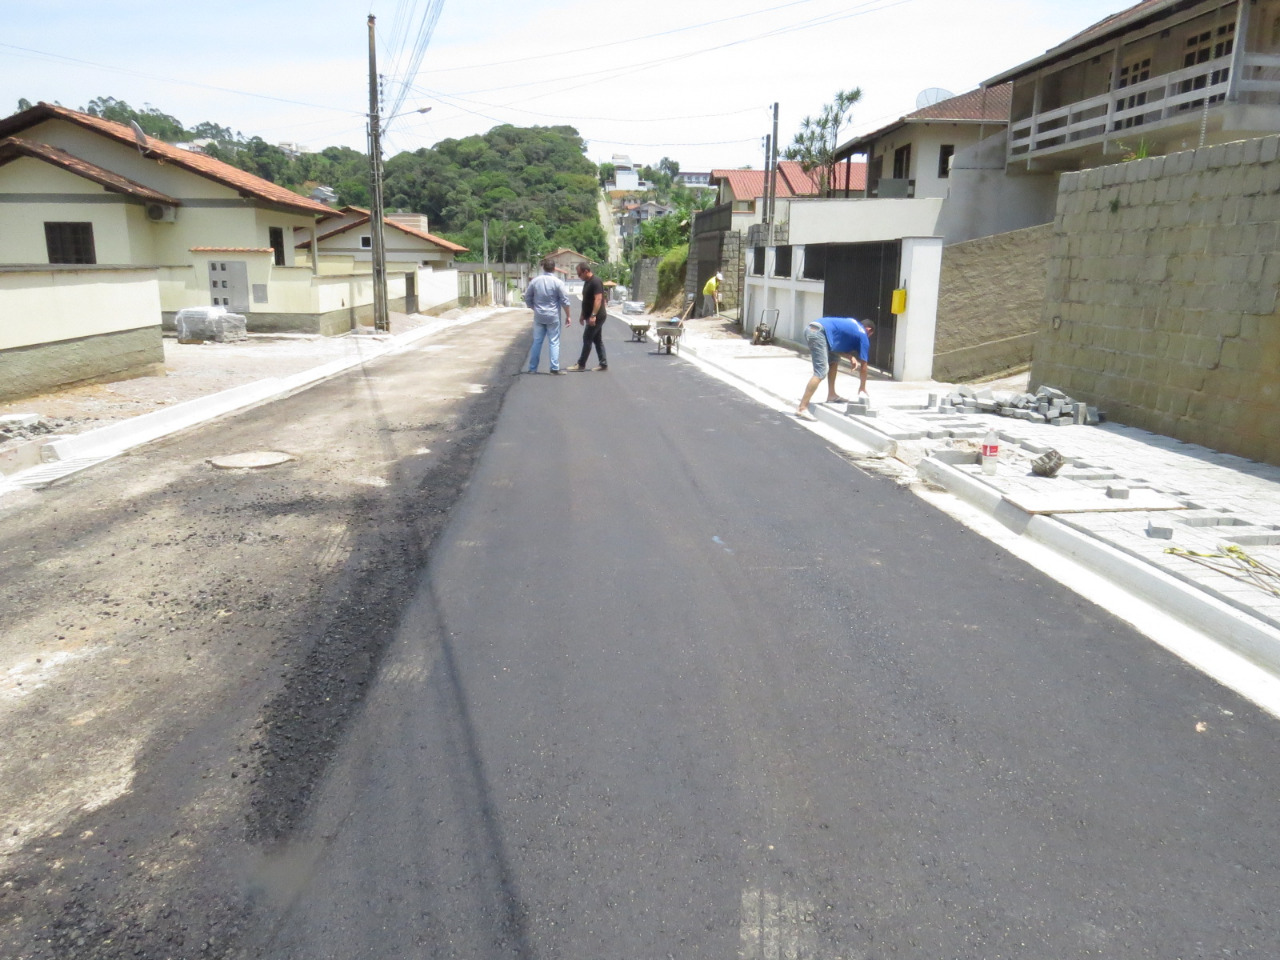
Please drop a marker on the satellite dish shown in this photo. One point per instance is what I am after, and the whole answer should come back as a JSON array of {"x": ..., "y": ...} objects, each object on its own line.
[
  {"x": 139, "y": 137},
  {"x": 927, "y": 98}
]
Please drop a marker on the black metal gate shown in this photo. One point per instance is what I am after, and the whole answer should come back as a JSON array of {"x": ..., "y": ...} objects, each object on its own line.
[{"x": 860, "y": 280}]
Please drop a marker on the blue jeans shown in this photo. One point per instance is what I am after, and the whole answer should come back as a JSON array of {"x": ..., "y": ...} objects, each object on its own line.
[{"x": 551, "y": 333}]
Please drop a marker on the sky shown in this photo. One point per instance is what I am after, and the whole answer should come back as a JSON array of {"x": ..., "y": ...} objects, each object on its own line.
[{"x": 690, "y": 80}]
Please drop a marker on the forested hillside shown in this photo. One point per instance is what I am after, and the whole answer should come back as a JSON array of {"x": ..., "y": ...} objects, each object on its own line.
[{"x": 535, "y": 185}]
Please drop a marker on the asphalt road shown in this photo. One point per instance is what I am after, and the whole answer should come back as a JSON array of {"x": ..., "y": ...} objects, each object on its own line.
[{"x": 678, "y": 680}]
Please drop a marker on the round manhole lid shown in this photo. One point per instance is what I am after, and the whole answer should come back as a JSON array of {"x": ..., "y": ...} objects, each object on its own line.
[{"x": 254, "y": 460}]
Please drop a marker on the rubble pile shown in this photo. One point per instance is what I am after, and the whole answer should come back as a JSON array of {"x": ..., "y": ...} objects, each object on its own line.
[
  {"x": 1046, "y": 405},
  {"x": 26, "y": 426}
]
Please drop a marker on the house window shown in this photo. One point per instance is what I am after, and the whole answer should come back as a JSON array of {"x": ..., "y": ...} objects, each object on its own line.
[
  {"x": 70, "y": 242},
  {"x": 1135, "y": 71},
  {"x": 366, "y": 243},
  {"x": 902, "y": 163},
  {"x": 757, "y": 261},
  {"x": 815, "y": 262},
  {"x": 744, "y": 206},
  {"x": 1200, "y": 48},
  {"x": 782, "y": 261},
  {"x": 945, "y": 153},
  {"x": 277, "y": 243}
]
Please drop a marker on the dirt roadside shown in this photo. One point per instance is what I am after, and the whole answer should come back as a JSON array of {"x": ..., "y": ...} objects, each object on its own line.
[
  {"x": 183, "y": 647},
  {"x": 193, "y": 370}
]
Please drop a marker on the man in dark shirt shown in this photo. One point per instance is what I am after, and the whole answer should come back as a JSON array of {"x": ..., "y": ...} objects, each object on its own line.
[{"x": 593, "y": 318}]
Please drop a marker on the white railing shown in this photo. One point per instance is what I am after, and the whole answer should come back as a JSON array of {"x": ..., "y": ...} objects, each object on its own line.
[{"x": 1164, "y": 102}]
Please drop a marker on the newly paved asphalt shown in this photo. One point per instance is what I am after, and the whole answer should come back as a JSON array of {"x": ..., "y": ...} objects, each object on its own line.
[{"x": 680, "y": 681}]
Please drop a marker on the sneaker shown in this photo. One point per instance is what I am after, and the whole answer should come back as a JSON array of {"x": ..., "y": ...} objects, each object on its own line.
[
  {"x": 557, "y": 373},
  {"x": 602, "y": 368},
  {"x": 577, "y": 368}
]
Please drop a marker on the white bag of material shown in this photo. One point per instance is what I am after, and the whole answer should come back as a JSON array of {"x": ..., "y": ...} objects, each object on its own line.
[{"x": 201, "y": 324}]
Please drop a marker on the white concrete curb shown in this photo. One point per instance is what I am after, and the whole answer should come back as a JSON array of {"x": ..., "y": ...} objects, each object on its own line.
[{"x": 1232, "y": 627}]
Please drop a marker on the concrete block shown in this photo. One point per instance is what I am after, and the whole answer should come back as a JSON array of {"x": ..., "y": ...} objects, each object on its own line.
[
  {"x": 16, "y": 421},
  {"x": 1118, "y": 493},
  {"x": 1061, "y": 421},
  {"x": 1159, "y": 531}
]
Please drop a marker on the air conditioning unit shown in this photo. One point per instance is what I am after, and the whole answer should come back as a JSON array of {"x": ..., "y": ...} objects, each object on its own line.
[{"x": 161, "y": 213}]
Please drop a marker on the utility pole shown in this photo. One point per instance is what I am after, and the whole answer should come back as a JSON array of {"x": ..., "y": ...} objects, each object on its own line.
[
  {"x": 768, "y": 157},
  {"x": 486, "y": 254},
  {"x": 381, "y": 315},
  {"x": 773, "y": 176}
]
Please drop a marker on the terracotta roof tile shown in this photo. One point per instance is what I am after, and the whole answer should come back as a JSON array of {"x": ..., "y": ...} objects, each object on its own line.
[
  {"x": 13, "y": 147},
  {"x": 983, "y": 105},
  {"x": 364, "y": 221},
  {"x": 246, "y": 184},
  {"x": 231, "y": 250},
  {"x": 792, "y": 180}
]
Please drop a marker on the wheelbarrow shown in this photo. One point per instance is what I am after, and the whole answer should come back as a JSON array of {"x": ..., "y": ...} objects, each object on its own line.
[{"x": 667, "y": 333}]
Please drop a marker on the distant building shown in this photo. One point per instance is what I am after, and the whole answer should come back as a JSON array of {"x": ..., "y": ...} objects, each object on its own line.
[{"x": 693, "y": 180}]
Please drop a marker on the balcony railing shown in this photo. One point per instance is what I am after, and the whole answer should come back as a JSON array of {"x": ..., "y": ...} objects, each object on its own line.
[{"x": 1159, "y": 102}]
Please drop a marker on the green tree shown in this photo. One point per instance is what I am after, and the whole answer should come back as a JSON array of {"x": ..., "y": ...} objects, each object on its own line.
[{"x": 815, "y": 145}]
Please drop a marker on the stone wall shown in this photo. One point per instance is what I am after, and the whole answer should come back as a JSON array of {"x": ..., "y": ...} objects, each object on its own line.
[
  {"x": 1161, "y": 298},
  {"x": 644, "y": 280},
  {"x": 990, "y": 301}
]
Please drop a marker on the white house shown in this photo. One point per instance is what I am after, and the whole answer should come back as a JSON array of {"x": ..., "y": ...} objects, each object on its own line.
[
  {"x": 421, "y": 277},
  {"x": 212, "y": 234}
]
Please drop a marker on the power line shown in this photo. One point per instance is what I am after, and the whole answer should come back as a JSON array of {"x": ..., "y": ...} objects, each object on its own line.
[
  {"x": 613, "y": 44},
  {"x": 186, "y": 83},
  {"x": 441, "y": 95},
  {"x": 614, "y": 73}
]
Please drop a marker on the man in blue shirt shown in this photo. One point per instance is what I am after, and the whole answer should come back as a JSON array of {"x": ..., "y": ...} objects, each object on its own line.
[
  {"x": 829, "y": 339},
  {"x": 546, "y": 296}
]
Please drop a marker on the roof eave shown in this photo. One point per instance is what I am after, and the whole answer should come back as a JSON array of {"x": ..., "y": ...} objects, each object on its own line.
[{"x": 1068, "y": 48}]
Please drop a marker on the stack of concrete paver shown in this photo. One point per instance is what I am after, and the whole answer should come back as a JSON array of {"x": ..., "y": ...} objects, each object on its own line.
[{"x": 1046, "y": 405}]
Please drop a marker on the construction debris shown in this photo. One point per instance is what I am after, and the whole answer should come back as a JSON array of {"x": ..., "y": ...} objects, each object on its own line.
[{"x": 1237, "y": 564}]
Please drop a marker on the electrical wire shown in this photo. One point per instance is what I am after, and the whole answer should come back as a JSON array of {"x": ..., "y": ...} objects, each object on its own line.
[
  {"x": 614, "y": 44},
  {"x": 187, "y": 83}
]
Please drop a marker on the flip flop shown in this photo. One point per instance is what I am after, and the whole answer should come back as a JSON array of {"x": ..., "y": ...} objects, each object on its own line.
[
  {"x": 839, "y": 400},
  {"x": 805, "y": 415}
]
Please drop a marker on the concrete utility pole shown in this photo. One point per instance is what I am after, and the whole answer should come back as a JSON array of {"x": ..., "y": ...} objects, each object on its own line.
[
  {"x": 381, "y": 315},
  {"x": 773, "y": 167}
]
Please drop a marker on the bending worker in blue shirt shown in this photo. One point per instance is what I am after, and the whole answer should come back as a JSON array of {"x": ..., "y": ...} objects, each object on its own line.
[{"x": 829, "y": 339}]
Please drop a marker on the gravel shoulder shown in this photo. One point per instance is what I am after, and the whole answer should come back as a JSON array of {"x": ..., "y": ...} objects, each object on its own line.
[
  {"x": 183, "y": 646},
  {"x": 193, "y": 370}
]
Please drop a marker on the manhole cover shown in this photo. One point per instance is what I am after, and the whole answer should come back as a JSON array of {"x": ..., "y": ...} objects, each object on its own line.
[{"x": 253, "y": 460}]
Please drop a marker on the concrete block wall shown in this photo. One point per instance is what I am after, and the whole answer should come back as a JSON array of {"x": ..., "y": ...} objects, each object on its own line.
[
  {"x": 990, "y": 302},
  {"x": 1161, "y": 301},
  {"x": 644, "y": 280}
]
